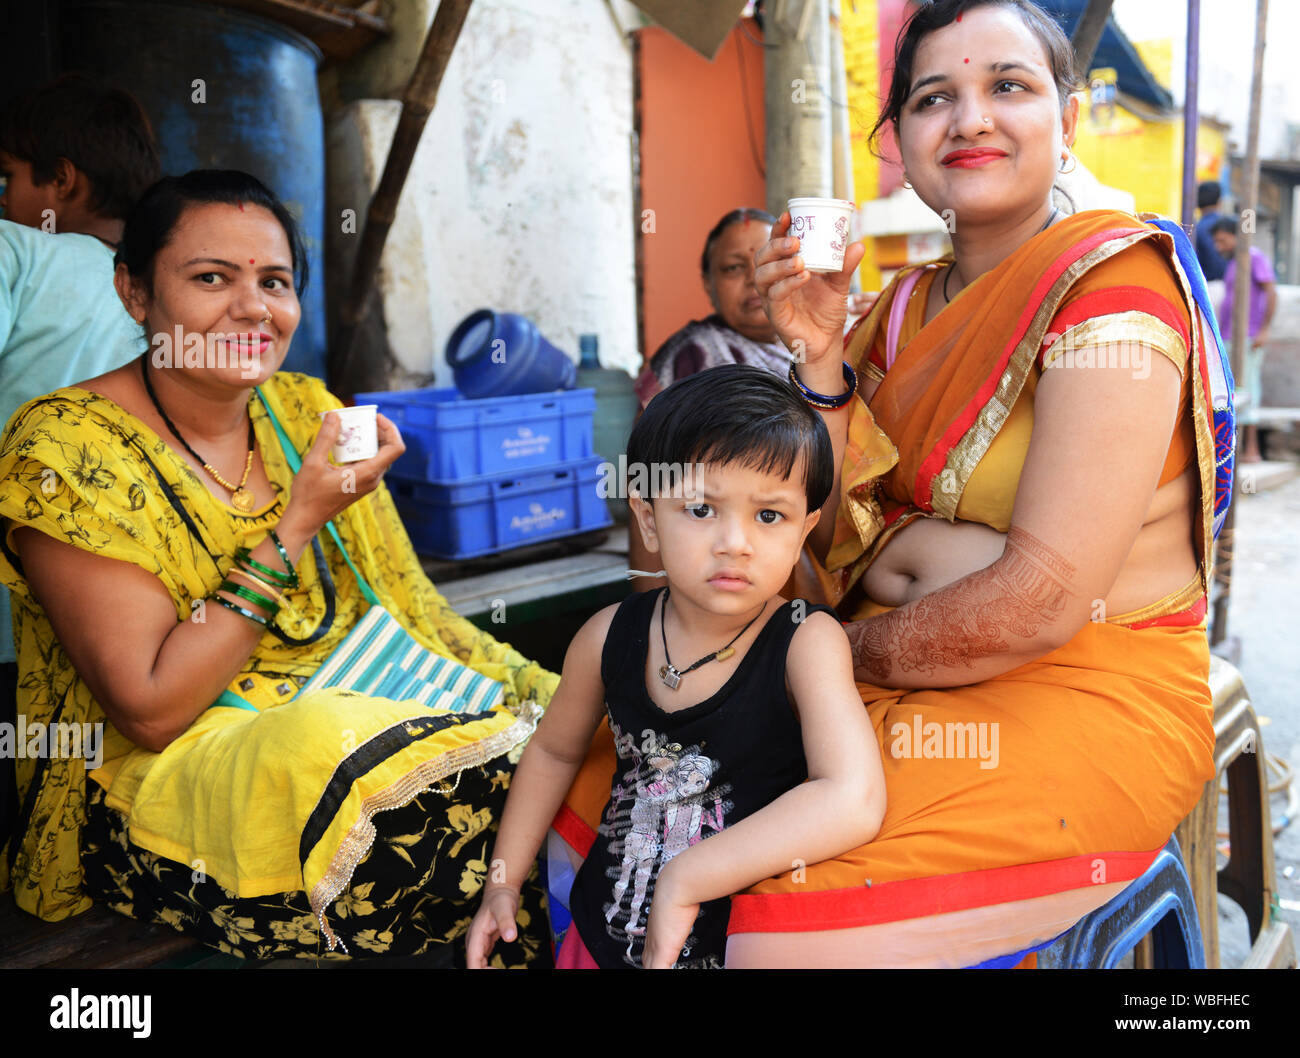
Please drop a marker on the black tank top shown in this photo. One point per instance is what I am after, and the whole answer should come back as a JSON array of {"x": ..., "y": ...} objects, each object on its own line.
[{"x": 682, "y": 777}]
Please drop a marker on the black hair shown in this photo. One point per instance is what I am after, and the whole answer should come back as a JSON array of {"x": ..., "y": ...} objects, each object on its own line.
[
  {"x": 150, "y": 223},
  {"x": 1208, "y": 193},
  {"x": 735, "y": 413},
  {"x": 1228, "y": 224},
  {"x": 935, "y": 14},
  {"x": 100, "y": 129},
  {"x": 736, "y": 215}
]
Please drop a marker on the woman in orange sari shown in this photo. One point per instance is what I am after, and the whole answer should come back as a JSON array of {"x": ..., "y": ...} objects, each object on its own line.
[{"x": 1019, "y": 536}]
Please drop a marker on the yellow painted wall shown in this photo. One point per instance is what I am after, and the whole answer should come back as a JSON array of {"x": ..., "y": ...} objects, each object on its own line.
[
  {"x": 858, "y": 22},
  {"x": 1145, "y": 157}
]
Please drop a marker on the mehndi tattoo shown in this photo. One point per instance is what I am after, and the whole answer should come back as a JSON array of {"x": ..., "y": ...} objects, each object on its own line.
[{"x": 967, "y": 620}]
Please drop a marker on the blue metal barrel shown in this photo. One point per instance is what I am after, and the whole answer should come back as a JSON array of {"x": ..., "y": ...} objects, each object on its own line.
[{"x": 224, "y": 90}]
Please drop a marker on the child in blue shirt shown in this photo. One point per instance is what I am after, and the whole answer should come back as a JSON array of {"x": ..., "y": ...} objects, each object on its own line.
[{"x": 74, "y": 156}]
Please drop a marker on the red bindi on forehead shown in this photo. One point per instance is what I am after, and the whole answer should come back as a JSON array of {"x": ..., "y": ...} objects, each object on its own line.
[
  {"x": 965, "y": 60},
  {"x": 251, "y": 261}
]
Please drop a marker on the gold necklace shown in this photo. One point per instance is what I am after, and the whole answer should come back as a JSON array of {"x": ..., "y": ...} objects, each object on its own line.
[{"x": 241, "y": 498}]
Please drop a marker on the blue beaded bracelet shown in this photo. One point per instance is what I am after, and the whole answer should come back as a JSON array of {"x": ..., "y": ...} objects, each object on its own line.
[{"x": 820, "y": 400}]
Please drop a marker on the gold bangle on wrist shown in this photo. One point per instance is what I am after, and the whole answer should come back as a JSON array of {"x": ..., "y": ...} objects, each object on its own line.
[{"x": 258, "y": 582}]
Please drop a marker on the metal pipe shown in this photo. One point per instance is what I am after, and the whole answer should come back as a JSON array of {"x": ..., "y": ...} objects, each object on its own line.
[{"x": 1191, "y": 112}]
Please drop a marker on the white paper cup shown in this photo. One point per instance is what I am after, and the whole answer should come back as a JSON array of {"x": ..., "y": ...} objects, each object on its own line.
[
  {"x": 358, "y": 433},
  {"x": 822, "y": 228}
]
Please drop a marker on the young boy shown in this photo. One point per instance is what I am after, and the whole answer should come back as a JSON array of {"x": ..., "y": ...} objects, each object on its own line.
[
  {"x": 74, "y": 157},
  {"x": 722, "y": 697}
]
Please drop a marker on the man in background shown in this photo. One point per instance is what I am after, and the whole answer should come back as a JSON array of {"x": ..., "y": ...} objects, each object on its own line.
[
  {"x": 1207, "y": 201},
  {"x": 75, "y": 155},
  {"x": 1263, "y": 303}
]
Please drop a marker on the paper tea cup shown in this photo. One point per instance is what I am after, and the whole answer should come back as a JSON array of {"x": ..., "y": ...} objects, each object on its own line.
[
  {"x": 822, "y": 228},
  {"x": 358, "y": 433}
]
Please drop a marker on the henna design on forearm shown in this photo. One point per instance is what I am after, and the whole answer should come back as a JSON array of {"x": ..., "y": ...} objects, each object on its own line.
[{"x": 972, "y": 618}]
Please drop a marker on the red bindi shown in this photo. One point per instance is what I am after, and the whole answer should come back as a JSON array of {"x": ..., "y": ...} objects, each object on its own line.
[
  {"x": 965, "y": 60},
  {"x": 251, "y": 261}
]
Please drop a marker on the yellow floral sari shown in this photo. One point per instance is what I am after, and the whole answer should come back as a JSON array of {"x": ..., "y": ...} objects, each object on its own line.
[{"x": 276, "y": 800}]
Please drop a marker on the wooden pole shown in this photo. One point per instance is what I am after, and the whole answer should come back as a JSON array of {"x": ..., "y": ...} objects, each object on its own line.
[
  {"x": 346, "y": 376},
  {"x": 1087, "y": 33},
  {"x": 1248, "y": 211}
]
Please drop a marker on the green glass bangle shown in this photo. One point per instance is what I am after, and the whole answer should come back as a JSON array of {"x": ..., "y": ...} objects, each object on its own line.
[
  {"x": 283, "y": 580},
  {"x": 284, "y": 555},
  {"x": 239, "y": 610},
  {"x": 255, "y": 597}
]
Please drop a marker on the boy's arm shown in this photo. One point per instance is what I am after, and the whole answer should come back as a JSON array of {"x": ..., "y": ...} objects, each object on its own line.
[
  {"x": 545, "y": 773},
  {"x": 839, "y": 808}
]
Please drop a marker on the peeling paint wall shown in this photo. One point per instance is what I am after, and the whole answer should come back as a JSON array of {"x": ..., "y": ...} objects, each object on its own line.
[{"x": 520, "y": 195}]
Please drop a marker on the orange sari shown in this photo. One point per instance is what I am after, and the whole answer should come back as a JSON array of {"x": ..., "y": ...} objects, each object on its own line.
[{"x": 1020, "y": 803}]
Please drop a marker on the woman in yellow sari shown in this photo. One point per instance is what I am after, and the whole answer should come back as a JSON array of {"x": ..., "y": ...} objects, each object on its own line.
[
  {"x": 1019, "y": 535},
  {"x": 268, "y": 824}
]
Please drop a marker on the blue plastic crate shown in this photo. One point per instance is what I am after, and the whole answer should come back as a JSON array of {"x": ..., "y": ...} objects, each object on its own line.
[
  {"x": 494, "y": 513},
  {"x": 450, "y": 438}
]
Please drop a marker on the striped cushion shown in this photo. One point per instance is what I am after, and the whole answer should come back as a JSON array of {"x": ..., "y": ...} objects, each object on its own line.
[{"x": 379, "y": 657}]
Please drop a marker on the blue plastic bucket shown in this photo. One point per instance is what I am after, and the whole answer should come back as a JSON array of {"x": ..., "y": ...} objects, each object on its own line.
[{"x": 498, "y": 354}]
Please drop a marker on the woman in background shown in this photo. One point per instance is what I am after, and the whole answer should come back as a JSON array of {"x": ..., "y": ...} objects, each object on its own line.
[{"x": 738, "y": 330}]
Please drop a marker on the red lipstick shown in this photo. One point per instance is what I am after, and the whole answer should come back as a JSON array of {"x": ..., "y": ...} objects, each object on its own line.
[{"x": 971, "y": 158}]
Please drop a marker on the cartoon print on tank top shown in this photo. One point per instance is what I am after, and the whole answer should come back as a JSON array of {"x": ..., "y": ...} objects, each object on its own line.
[{"x": 662, "y": 806}]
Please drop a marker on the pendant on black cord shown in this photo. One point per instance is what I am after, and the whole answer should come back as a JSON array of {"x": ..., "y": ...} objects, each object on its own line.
[{"x": 670, "y": 676}]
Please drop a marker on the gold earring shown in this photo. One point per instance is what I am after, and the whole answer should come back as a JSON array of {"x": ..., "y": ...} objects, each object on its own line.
[{"x": 1073, "y": 162}]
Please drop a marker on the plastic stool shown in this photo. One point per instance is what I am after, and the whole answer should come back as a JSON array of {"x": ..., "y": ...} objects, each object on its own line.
[{"x": 1158, "y": 903}]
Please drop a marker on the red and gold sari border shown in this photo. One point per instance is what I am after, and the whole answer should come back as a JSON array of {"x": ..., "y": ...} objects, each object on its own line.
[
  {"x": 957, "y": 450},
  {"x": 1118, "y": 300},
  {"x": 870, "y": 905}
]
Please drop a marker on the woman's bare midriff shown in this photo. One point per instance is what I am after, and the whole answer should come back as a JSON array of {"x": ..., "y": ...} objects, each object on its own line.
[{"x": 932, "y": 553}]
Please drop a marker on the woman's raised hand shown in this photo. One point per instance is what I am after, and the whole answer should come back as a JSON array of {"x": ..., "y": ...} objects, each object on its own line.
[
  {"x": 806, "y": 308},
  {"x": 321, "y": 489}
]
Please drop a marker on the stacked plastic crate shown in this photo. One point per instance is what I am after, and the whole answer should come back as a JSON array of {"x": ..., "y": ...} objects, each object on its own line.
[{"x": 482, "y": 476}]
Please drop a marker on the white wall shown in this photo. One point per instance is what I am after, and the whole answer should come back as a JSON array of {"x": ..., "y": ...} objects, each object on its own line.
[{"x": 520, "y": 196}]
